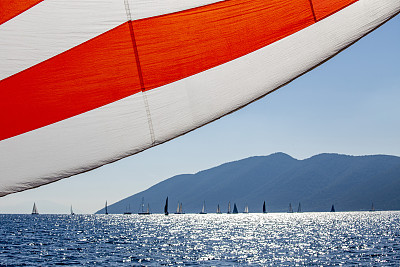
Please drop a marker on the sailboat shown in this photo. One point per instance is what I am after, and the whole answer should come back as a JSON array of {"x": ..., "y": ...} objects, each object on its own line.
[
  {"x": 229, "y": 207},
  {"x": 143, "y": 212},
  {"x": 246, "y": 209},
  {"x": 264, "y": 208},
  {"x": 128, "y": 210},
  {"x": 299, "y": 207},
  {"x": 179, "y": 209},
  {"x": 106, "y": 210},
  {"x": 333, "y": 208},
  {"x": 372, "y": 207},
  {"x": 203, "y": 210},
  {"x": 34, "y": 209},
  {"x": 218, "y": 210},
  {"x": 290, "y": 210},
  {"x": 235, "y": 210},
  {"x": 72, "y": 212},
  {"x": 166, "y": 207}
]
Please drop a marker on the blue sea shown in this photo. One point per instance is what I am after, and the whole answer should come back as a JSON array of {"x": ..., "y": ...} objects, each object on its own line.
[{"x": 312, "y": 239}]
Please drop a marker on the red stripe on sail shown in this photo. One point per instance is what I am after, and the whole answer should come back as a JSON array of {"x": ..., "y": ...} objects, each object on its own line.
[
  {"x": 169, "y": 48},
  {"x": 172, "y": 47},
  {"x": 93, "y": 74},
  {"x": 12, "y": 8},
  {"x": 325, "y": 8}
]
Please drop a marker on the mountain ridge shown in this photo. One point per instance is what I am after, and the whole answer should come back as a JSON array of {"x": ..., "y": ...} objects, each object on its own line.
[{"x": 349, "y": 182}]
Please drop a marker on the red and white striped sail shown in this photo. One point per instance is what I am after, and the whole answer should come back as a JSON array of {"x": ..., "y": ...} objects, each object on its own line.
[{"x": 87, "y": 82}]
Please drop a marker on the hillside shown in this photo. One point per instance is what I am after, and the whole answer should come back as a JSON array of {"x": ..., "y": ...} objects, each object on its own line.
[{"x": 350, "y": 182}]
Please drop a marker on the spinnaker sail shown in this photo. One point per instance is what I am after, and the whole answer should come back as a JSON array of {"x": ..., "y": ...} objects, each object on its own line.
[{"x": 86, "y": 83}]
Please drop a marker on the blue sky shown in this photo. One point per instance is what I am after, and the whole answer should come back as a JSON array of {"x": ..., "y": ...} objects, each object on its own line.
[{"x": 349, "y": 105}]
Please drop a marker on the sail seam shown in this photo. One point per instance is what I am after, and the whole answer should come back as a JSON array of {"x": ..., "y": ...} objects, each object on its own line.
[
  {"x": 313, "y": 11},
  {"x": 139, "y": 69}
]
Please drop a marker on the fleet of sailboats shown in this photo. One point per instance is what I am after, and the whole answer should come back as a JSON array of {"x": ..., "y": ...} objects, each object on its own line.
[{"x": 179, "y": 209}]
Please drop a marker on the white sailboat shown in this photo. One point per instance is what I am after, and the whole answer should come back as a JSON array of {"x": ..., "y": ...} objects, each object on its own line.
[
  {"x": 246, "y": 209},
  {"x": 203, "y": 210},
  {"x": 218, "y": 210},
  {"x": 34, "y": 209},
  {"x": 72, "y": 212},
  {"x": 143, "y": 212},
  {"x": 179, "y": 209},
  {"x": 229, "y": 208}
]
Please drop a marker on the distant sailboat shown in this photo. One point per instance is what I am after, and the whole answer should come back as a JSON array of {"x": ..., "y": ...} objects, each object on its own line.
[
  {"x": 290, "y": 210},
  {"x": 372, "y": 207},
  {"x": 218, "y": 210},
  {"x": 179, "y": 209},
  {"x": 235, "y": 210},
  {"x": 106, "y": 209},
  {"x": 72, "y": 212},
  {"x": 229, "y": 207},
  {"x": 333, "y": 208},
  {"x": 128, "y": 210},
  {"x": 299, "y": 207},
  {"x": 264, "y": 208},
  {"x": 34, "y": 210},
  {"x": 203, "y": 210},
  {"x": 246, "y": 209},
  {"x": 143, "y": 212},
  {"x": 166, "y": 207}
]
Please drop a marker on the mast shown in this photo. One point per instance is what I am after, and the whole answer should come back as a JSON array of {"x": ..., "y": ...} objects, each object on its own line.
[
  {"x": 218, "y": 209},
  {"x": 166, "y": 207},
  {"x": 372, "y": 207},
  {"x": 264, "y": 208},
  {"x": 299, "y": 208}
]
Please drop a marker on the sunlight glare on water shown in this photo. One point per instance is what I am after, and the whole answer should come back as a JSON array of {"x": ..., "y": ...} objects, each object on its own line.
[{"x": 193, "y": 239}]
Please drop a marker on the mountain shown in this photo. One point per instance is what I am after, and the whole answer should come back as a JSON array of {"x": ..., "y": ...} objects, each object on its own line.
[{"x": 350, "y": 182}]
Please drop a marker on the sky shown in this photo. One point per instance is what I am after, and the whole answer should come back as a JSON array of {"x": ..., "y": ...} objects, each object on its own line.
[{"x": 349, "y": 105}]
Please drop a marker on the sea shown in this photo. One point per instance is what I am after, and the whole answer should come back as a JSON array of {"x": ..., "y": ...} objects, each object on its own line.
[{"x": 272, "y": 239}]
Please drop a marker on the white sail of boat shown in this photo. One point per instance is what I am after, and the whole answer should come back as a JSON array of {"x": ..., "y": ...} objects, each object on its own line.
[
  {"x": 34, "y": 209},
  {"x": 229, "y": 207},
  {"x": 218, "y": 209},
  {"x": 246, "y": 209},
  {"x": 72, "y": 212},
  {"x": 203, "y": 210}
]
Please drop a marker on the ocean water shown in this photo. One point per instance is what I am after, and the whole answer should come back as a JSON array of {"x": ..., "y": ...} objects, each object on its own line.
[{"x": 341, "y": 238}]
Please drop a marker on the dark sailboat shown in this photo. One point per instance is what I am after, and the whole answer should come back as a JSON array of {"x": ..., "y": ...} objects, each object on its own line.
[
  {"x": 299, "y": 207},
  {"x": 166, "y": 207},
  {"x": 34, "y": 209},
  {"x": 106, "y": 208},
  {"x": 333, "y": 208},
  {"x": 372, "y": 207},
  {"x": 128, "y": 210},
  {"x": 235, "y": 209},
  {"x": 264, "y": 208}
]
